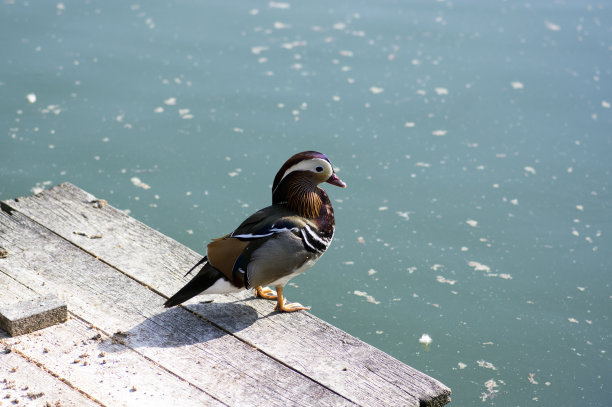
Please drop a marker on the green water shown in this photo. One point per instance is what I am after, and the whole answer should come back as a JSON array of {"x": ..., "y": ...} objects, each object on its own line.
[{"x": 475, "y": 137}]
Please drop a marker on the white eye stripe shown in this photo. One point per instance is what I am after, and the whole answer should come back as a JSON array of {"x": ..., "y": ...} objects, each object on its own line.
[{"x": 309, "y": 165}]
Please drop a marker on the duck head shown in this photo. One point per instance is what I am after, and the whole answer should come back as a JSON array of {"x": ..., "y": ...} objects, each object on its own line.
[{"x": 296, "y": 183}]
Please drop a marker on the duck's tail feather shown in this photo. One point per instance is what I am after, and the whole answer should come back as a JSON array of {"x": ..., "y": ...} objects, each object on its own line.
[
  {"x": 204, "y": 260},
  {"x": 205, "y": 278}
]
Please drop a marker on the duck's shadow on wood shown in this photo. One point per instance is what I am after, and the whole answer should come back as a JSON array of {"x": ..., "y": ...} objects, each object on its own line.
[{"x": 176, "y": 327}]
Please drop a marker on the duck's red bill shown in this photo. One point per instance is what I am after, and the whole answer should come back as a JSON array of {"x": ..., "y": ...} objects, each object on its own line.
[{"x": 334, "y": 180}]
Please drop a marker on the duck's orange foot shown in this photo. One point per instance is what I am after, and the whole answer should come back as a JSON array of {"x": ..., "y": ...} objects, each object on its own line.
[
  {"x": 265, "y": 293},
  {"x": 289, "y": 307},
  {"x": 283, "y": 306}
]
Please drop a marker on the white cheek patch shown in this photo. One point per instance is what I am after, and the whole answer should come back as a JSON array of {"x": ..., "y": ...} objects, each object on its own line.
[{"x": 310, "y": 165}]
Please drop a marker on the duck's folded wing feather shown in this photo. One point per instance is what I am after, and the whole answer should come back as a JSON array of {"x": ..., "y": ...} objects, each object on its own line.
[
  {"x": 267, "y": 222},
  {"x": 234, "y": 250}
]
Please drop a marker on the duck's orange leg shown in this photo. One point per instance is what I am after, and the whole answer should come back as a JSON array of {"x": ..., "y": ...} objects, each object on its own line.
[
  {"x": 289, "y": 307},
  {"x": 265, "y": 293}
]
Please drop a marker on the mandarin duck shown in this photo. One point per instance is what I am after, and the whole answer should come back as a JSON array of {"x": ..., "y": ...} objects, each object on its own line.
[{"x": 276, "y": 243}]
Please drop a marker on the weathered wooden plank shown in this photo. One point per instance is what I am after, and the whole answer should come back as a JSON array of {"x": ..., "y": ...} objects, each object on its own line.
[
  {"x": 24, "y": 383},
  {"x": 108, "y": 372},
  {"x": 357, "y": 371},
  {"x": 176, "y": 340},
  {"x": 96, "y": 366}
]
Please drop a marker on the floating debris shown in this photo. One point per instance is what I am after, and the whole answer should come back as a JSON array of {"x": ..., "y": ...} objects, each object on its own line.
[
  {"x": 55, "y": 109},
  {"x": 404, "y": 215},
  {"x": 31, "y": 97},
  {"x": 443, "y": 280},
  {"x": 504, "y": 276},
  {"x": 425, "y": 340},
  {"x": 291, "y": 45},
  {"x": 137, "y": 182},
  {"x": 185, "y": 114},
  {"x": 530, "y": 170},
  {"x": 259, "y": 49},
  {"x": 376, "y": 90},
  {"x": 369, "y": 298},
  {"x": 552, "y": 26},
  {"x": 492, "y": 390},
  {"x": 281, "y": 26},
  {"x": 479, "y": 267},
  {"x": 517, "y": 85},
  {"x": 486, "y": 365},
  {"x": 274, "y": 4},
  {"x": 472, "y": 223}
]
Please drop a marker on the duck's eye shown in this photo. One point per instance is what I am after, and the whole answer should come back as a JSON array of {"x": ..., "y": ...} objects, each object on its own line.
[{"x": 319, "y": 169}]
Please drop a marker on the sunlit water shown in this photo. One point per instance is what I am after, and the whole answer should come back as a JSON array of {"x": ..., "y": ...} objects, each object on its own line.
[{"x": 475, "y": 138}]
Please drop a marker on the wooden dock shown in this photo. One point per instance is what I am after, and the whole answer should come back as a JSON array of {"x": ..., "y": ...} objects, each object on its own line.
[{"x": 119, "y": 346}]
